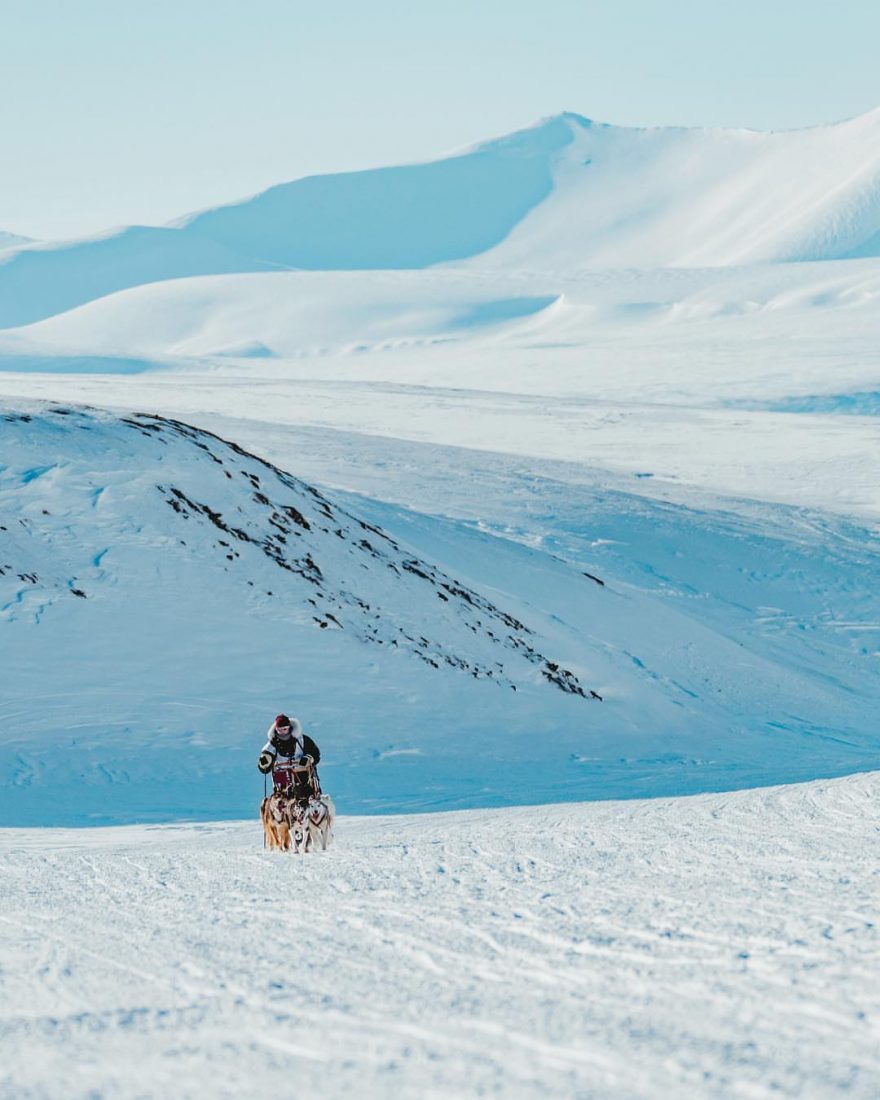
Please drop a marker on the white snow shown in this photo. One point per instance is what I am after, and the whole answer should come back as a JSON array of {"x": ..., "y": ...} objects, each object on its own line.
[
  {"x": 697, "y": 198},
  {"x": 158, "y": 589},
  {"x": 10, "y": 240},
  {"x": 584, "y": 408},
  {"x": 727, "y": 380},
  {"x": 718, "y": 946},
  {"x": 563, "y": 194},
  {"x": 158, "y": 586}
]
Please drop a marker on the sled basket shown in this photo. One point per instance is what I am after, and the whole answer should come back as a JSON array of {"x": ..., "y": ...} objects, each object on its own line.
[{"x": 296, "y": 780}]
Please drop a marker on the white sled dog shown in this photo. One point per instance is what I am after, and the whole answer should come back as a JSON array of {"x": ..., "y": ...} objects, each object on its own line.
[
  {"x": 320, "y": 815},
  {"x": 276, "y": 825}
]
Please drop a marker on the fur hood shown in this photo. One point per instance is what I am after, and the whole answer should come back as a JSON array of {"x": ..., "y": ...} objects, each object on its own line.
[{"x": 296, "y": 729}]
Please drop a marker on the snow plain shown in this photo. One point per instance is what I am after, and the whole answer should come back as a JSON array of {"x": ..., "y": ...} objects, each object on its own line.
[{"x": 716, "y": 946}]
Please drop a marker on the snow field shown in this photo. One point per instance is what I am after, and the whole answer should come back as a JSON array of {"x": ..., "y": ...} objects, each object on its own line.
[
  {"x": 714, "y": 946},
  {"x": 731, "y": 381}
]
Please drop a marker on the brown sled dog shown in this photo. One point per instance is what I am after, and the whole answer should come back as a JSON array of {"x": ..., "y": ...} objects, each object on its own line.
[{"x": 273, "y": 814}]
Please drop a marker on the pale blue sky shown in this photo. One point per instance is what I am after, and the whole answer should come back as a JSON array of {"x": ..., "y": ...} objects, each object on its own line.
[{"x": 113, "y": 111}]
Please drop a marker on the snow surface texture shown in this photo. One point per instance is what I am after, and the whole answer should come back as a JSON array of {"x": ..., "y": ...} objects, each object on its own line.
[{"x": 711, "y": 947}]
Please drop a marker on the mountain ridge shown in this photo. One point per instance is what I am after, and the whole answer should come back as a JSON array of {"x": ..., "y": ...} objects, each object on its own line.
[
  {"x": 172, "y": 583},
  {"x": 13, "y": 240},
  {"x": 566, "y": 193}
]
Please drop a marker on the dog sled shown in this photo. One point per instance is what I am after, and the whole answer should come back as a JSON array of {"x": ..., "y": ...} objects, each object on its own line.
[
  {"x": 297, "y": 816},
  {"x": 296, "y": 780}
]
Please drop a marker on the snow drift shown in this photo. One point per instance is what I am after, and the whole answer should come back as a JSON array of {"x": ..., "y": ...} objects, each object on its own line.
[
  {"x": 272, "y": 315},
  {"x": 754, "y": 332}
]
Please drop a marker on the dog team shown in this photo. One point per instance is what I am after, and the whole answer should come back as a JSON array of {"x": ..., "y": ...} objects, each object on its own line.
[
  {"x": 297, "y": 816},
  {"x": 292, "y": 826}
]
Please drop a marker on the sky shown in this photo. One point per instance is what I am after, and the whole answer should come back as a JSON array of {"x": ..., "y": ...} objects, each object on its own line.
[{"x": 115, "y": 112}]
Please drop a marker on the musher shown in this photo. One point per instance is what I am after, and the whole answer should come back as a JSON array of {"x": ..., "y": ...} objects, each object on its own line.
[{"x": 286, "y": 740}]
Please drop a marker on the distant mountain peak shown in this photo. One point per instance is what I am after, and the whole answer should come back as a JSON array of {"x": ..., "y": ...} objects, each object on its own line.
[
  {"x": 565, "y": 193},
  {"x": 13, "y": 240}
]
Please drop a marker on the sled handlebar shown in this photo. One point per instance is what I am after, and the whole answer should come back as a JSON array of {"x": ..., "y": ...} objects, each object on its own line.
[{"x": 291, "y": 767}]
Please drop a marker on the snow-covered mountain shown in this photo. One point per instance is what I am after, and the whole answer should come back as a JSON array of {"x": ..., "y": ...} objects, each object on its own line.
[
  {"x": 576, "y": 499},
  {"x": 564, "y": 194},
  {"x": 150, "y": 571},
  {"x": 10, "y": 240},
  {"x": 163, "y": 593},
  {"x": 571, "y": 193},
  {"x": 517, "y": 425}
]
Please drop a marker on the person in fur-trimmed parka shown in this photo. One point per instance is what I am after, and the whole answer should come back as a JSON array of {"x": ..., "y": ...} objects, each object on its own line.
[{"x": 285, "y": 738}]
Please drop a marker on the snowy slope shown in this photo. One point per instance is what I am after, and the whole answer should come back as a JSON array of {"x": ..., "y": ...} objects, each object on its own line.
[
  {"x": 162, "y": 593},
  {"x": 692, "y": 336},
  {"x": 161, "y": 589},
  {"x": 711, "y": 947},
  {"x": 38, "y": 280},
  {"x": 278, "y": 315},
  {"x": 727, "y": 380},
  {"x": 701, "y": 198},
  {"x": 564, "y": 194},
  {"x": 407, "y": 217}
]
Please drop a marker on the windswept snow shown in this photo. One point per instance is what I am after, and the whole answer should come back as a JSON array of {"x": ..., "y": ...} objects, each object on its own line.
[
  {"x": 718, "y": 946},
  {"x": 704, "y": 198},
  {"x": 41, "y": 279},
  {"x": 407, "y": 217},
  {"x": 411, "y": 216}
]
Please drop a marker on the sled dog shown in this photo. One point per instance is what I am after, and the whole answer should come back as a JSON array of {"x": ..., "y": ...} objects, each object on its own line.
[
  {"x": 320, "y": 815},
  {"x": 296, "y": 819},
  {"x": 275, "y": 823}
]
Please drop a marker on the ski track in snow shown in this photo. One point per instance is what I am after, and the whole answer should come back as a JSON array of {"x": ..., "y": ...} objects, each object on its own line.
[{"x": 714, "y": 946}]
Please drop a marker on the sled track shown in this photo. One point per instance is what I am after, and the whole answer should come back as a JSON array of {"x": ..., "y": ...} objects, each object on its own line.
[{"x": 716, "y": 946}]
